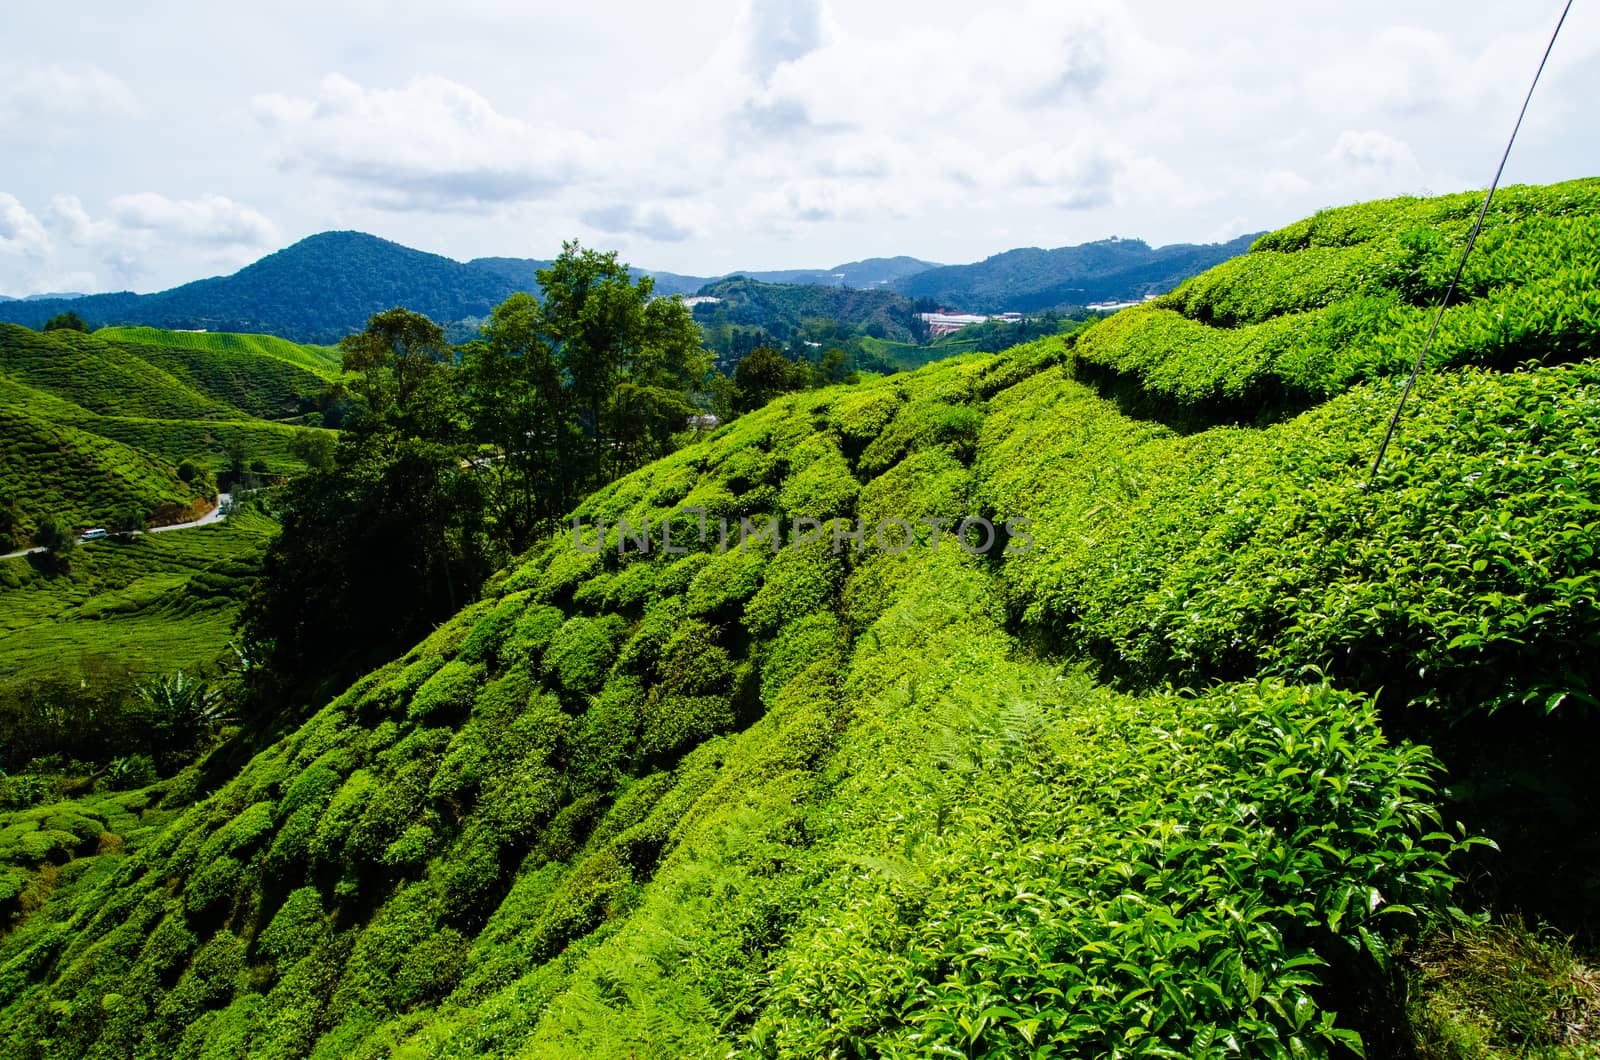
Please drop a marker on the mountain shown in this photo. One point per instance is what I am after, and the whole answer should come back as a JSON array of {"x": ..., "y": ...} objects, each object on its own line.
[
  {"x": 318, "y": 290},
  {"x": 782, "y": 308},
  {"x": 524, "y": 273},
  {"x": 1029, "y": 280},
  {"x": 326, "y": 286},
  {"x": 873, "y": 273},
  {"x": 869, "y": 274}
]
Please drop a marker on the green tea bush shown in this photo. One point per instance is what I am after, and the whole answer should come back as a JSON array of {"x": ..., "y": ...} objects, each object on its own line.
[
  {"x": 821, "y": 486},
  {"x": 447, "y": 694},
  {"x": 1187, "y": 914},
  {"x": 729, "y": 579},
  {"x": 298, "y": 927},
  {"x": 581, "y": 652}
]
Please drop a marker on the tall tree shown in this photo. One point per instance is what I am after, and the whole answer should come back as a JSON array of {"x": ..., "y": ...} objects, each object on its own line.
[
  {"x": 385, "y": 540},
  {"x": 621, "y": 352},
  {"x": 519, "y": 412}
]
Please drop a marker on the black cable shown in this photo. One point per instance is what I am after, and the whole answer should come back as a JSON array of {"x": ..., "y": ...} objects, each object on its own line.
[{"x": 1472, "y": 239}]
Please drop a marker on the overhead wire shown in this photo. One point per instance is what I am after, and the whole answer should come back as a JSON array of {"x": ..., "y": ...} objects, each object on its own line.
[{"x": 1466, "y": 252}]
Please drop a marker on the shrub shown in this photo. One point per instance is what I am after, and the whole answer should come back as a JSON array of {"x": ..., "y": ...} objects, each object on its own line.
[
  {"x": 800, "y": 580},
  {"x": 447, "y": 694},
  {"x": 297, "y": 928},
  {"x": 580, "y": 654}
]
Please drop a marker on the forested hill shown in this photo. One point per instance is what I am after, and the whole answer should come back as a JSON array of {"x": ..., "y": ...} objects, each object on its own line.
[
  {"x": 936, "y": 790},
  {"x": 1029, "y": 280},
  {"x": 782, "y": 309},
  {"x": 318, "y": 290},
  {"x": 524, "y": 272}
]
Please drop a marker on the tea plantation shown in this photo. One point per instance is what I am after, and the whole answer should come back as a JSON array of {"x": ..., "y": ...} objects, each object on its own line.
[
  {"x": 98, "y": 425},
  {"x": 1214, "y": 750}
]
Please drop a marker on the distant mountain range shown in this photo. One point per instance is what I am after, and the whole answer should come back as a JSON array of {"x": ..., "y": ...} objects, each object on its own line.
[
  {"x": 871, "y": 274},
  {"x": 41, "y": 297},
  {"x": 1031, "y": 280},
  {"x": 327, "y": 285}
]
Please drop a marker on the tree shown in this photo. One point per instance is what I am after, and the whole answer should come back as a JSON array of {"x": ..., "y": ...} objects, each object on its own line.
[
  {"x": 68, "y": 321},
  {"x": 399, "y": 363},
  {"x": 519, "y": 412},
  {"x": 606, "y": 331},
  {"x": 313, "y": 448},
  {"x": 763, "y": 374},
  {"x": 10, "y": 520},
  {"x": 383, "y": 541},
  {"x": 127, "y": 521},
  {"x": 58, "y": 542}
]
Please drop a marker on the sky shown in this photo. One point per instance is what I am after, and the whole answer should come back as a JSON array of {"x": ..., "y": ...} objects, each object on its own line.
[{"x": 145, "y": 145}]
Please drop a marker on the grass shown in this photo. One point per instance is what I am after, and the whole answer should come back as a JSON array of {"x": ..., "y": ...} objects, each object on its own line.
[
  {"x": 150, "y": 606},
  {"x": 322, "y": 361},
  {"x": 1488, "y": 991}
]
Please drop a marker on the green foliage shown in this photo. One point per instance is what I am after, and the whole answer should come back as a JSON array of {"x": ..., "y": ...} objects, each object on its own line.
[
  {"x": 804, "y": 802},
  {"x": 130, "y": 611},
  {"x": 581, "y": 652},
  {"x": 68, "y": 321},
  {"x": 1079, "y": 905},
  {"x": 322, "y": 361},
  {"x": 50, "y": 470},
  {"x": 1349, "y": 295}
]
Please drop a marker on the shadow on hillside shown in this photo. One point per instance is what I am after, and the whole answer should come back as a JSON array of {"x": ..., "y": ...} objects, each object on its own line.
[
  {"x": 1526, "y": 780},
  {"x": 1264, "y": 404}
]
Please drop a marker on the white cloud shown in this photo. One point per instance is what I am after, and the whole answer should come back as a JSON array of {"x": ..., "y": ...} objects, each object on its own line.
[
  {"x": 434, "y": 144},
  {"x": 1371, "y": 156},
  {"x": 781, "y": 31},
  {"x": 1398, "y": 70},
  {"x": 1284, "y": 184},
  {"x": 652, "y": 222},
  {"x": 744, "y": 134},
  {"x": 21, "y": 233},
  {"x": 212, "y": 220},
  {"x": 32, "y": 95},
  {"x": 66, "y": 248}
]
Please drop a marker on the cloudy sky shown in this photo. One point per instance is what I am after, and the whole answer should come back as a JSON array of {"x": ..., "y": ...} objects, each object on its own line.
[{"x": 149, "y": 144}]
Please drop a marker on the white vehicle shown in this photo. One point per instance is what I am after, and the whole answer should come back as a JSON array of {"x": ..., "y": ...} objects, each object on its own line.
[{"x": 96, "y": 534}]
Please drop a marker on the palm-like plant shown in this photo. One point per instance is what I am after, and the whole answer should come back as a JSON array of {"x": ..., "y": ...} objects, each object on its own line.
[{"x": 186, "y": 705}]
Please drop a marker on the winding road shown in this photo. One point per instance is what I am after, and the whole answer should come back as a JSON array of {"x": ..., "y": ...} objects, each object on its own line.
[{"x": 213, "y": 516}]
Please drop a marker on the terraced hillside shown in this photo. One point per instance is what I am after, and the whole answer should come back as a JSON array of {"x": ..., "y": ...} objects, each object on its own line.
[
  {"x": 893, "y": 796},
  {"x": 130, "y": 610},
  {"x": 322, "y": 361},
  {"x": 48, "y": 468},
  {"x": 98, "y": 426}
]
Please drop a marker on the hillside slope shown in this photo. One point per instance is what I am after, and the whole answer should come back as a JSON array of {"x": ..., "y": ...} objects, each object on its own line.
[
  {"x": 99, "y": 426},
  {"x": 321, "y": 361},
  {"x": 54, "y": 469},
  {"x": 907, "y": 798},
  {"x": 781, "y": 309}
]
